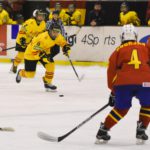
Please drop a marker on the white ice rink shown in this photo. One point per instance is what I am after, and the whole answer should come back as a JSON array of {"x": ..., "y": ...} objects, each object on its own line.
[{"x": 29, "y": 109}]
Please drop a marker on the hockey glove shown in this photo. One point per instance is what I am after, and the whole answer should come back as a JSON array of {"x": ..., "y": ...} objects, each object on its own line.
[
  {"x": 44, "y": 57},
  {"x": 23, "y": 42},
  {"x": 66, "y": 50},
  {"x": 112, "y": 99}
]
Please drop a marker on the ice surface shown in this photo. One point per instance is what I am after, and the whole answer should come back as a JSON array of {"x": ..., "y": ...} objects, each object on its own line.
[{"x": 29, "y": 109}]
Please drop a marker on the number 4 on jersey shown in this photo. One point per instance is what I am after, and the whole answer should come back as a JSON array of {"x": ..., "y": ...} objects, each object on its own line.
[{"x": 135, "y": 60}]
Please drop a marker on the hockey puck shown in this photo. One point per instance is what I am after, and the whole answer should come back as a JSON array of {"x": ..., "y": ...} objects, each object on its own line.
[{"x": 61, "y": 95}]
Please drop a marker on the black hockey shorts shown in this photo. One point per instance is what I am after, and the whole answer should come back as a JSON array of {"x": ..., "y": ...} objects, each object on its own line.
[{"x": 30, "y": 65}]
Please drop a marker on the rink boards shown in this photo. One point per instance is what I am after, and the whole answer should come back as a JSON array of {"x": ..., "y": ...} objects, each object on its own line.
[{"x": 91, "y": 44}]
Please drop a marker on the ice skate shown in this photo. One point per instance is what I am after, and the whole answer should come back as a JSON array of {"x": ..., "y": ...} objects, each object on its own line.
[
  {"x": 102, "y": 136},
  {"x": 49, "y": 87},
  {"x": 141, "y": 136},
  {"x": 13, "y": 69},
  {"x": 18, "y": 77}
]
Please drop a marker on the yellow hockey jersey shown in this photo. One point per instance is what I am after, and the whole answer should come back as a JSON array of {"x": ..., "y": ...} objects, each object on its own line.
[
  {"x": 42, "y": 44},
  {"x": 29, "y": 29},
  {"x": 75, "y": 19},
  {"x": 61, "y": 15},
  {"x": 129, "y": 18},
  {"x": 4, "y": 18}
]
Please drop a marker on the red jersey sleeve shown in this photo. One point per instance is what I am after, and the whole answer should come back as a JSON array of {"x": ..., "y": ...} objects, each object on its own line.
[{"x": 112, "y": 70}]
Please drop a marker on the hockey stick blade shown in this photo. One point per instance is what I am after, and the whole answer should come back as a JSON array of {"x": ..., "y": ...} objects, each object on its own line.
[
  {"x": 82, "y": 77},
  {"x": 7, "y": 129},
  {"x": 47, "y": 137},
  {"x": 50, "y": 138}
]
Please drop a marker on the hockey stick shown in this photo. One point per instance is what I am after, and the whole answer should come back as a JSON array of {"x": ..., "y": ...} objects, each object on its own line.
[
  {"x": 79, "y": 78},
  {"x": 7, "y": 129},
  {"x": 50, "y": 138},
  {"x": 1, "y": 50}
]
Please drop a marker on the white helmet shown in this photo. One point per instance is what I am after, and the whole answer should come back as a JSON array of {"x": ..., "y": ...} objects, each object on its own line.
[
  {"x": 129, "y": 33},
  {"x": 35, "y": 12}
]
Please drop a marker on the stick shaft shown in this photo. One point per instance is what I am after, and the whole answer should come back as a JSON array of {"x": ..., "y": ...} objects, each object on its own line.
[
  {"x": 9, "y": 48},
  {"x": 82, "y": 123},
  {"x": 73, "y": 68}
]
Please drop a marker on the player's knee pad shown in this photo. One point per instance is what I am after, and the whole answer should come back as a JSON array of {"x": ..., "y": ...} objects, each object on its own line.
[{"x": 117, "y": 114}]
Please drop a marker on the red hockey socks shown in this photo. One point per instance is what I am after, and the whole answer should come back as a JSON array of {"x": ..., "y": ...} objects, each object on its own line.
[
  {"x": 114, "y": 116},
  {"x": 144, "y": 116}
]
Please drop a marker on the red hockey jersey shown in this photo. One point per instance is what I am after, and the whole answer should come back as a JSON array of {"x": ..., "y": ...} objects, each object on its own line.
[{"x": 129, "y": 65}]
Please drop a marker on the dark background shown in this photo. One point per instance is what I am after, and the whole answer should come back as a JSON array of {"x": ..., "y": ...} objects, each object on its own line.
[{"x": 111, "y": 8}]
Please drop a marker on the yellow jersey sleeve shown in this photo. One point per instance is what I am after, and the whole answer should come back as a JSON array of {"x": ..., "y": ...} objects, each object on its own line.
[{"x": 60, "y": 40}]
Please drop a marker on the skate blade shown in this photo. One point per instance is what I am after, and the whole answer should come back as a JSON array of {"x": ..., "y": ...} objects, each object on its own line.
[
  {"x": 140, "y": 142},
  {"x": 50, "y": 90},
  {"x": 99, "y": 142}
]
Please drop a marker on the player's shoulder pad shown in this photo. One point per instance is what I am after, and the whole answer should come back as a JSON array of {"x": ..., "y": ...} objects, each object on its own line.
[
  {"x": 43, "y": 22},
  {"x": 30, "y": 21},
  {"x": 132, "y": 13},
  {"x": 130, "y": 44},
  {"x": 4, "y": 11},
  {"x": 119, "y": 47},
  {"x": 121, "y": 13}
]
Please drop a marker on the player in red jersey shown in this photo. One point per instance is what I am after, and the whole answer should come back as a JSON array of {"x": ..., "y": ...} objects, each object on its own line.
[{"x": 128, "y": 76}]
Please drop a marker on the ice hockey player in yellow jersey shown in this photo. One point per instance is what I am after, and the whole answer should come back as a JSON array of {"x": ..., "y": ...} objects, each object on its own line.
[
  {"x": 72, "y": 16},
  {"x": 60, "y": 10},
  {"x": 4, "y": 16},
  {"x": 128, "y": 17},
  {"x": 39, "y": 50},
  {"x": 30, "y": 28}
]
